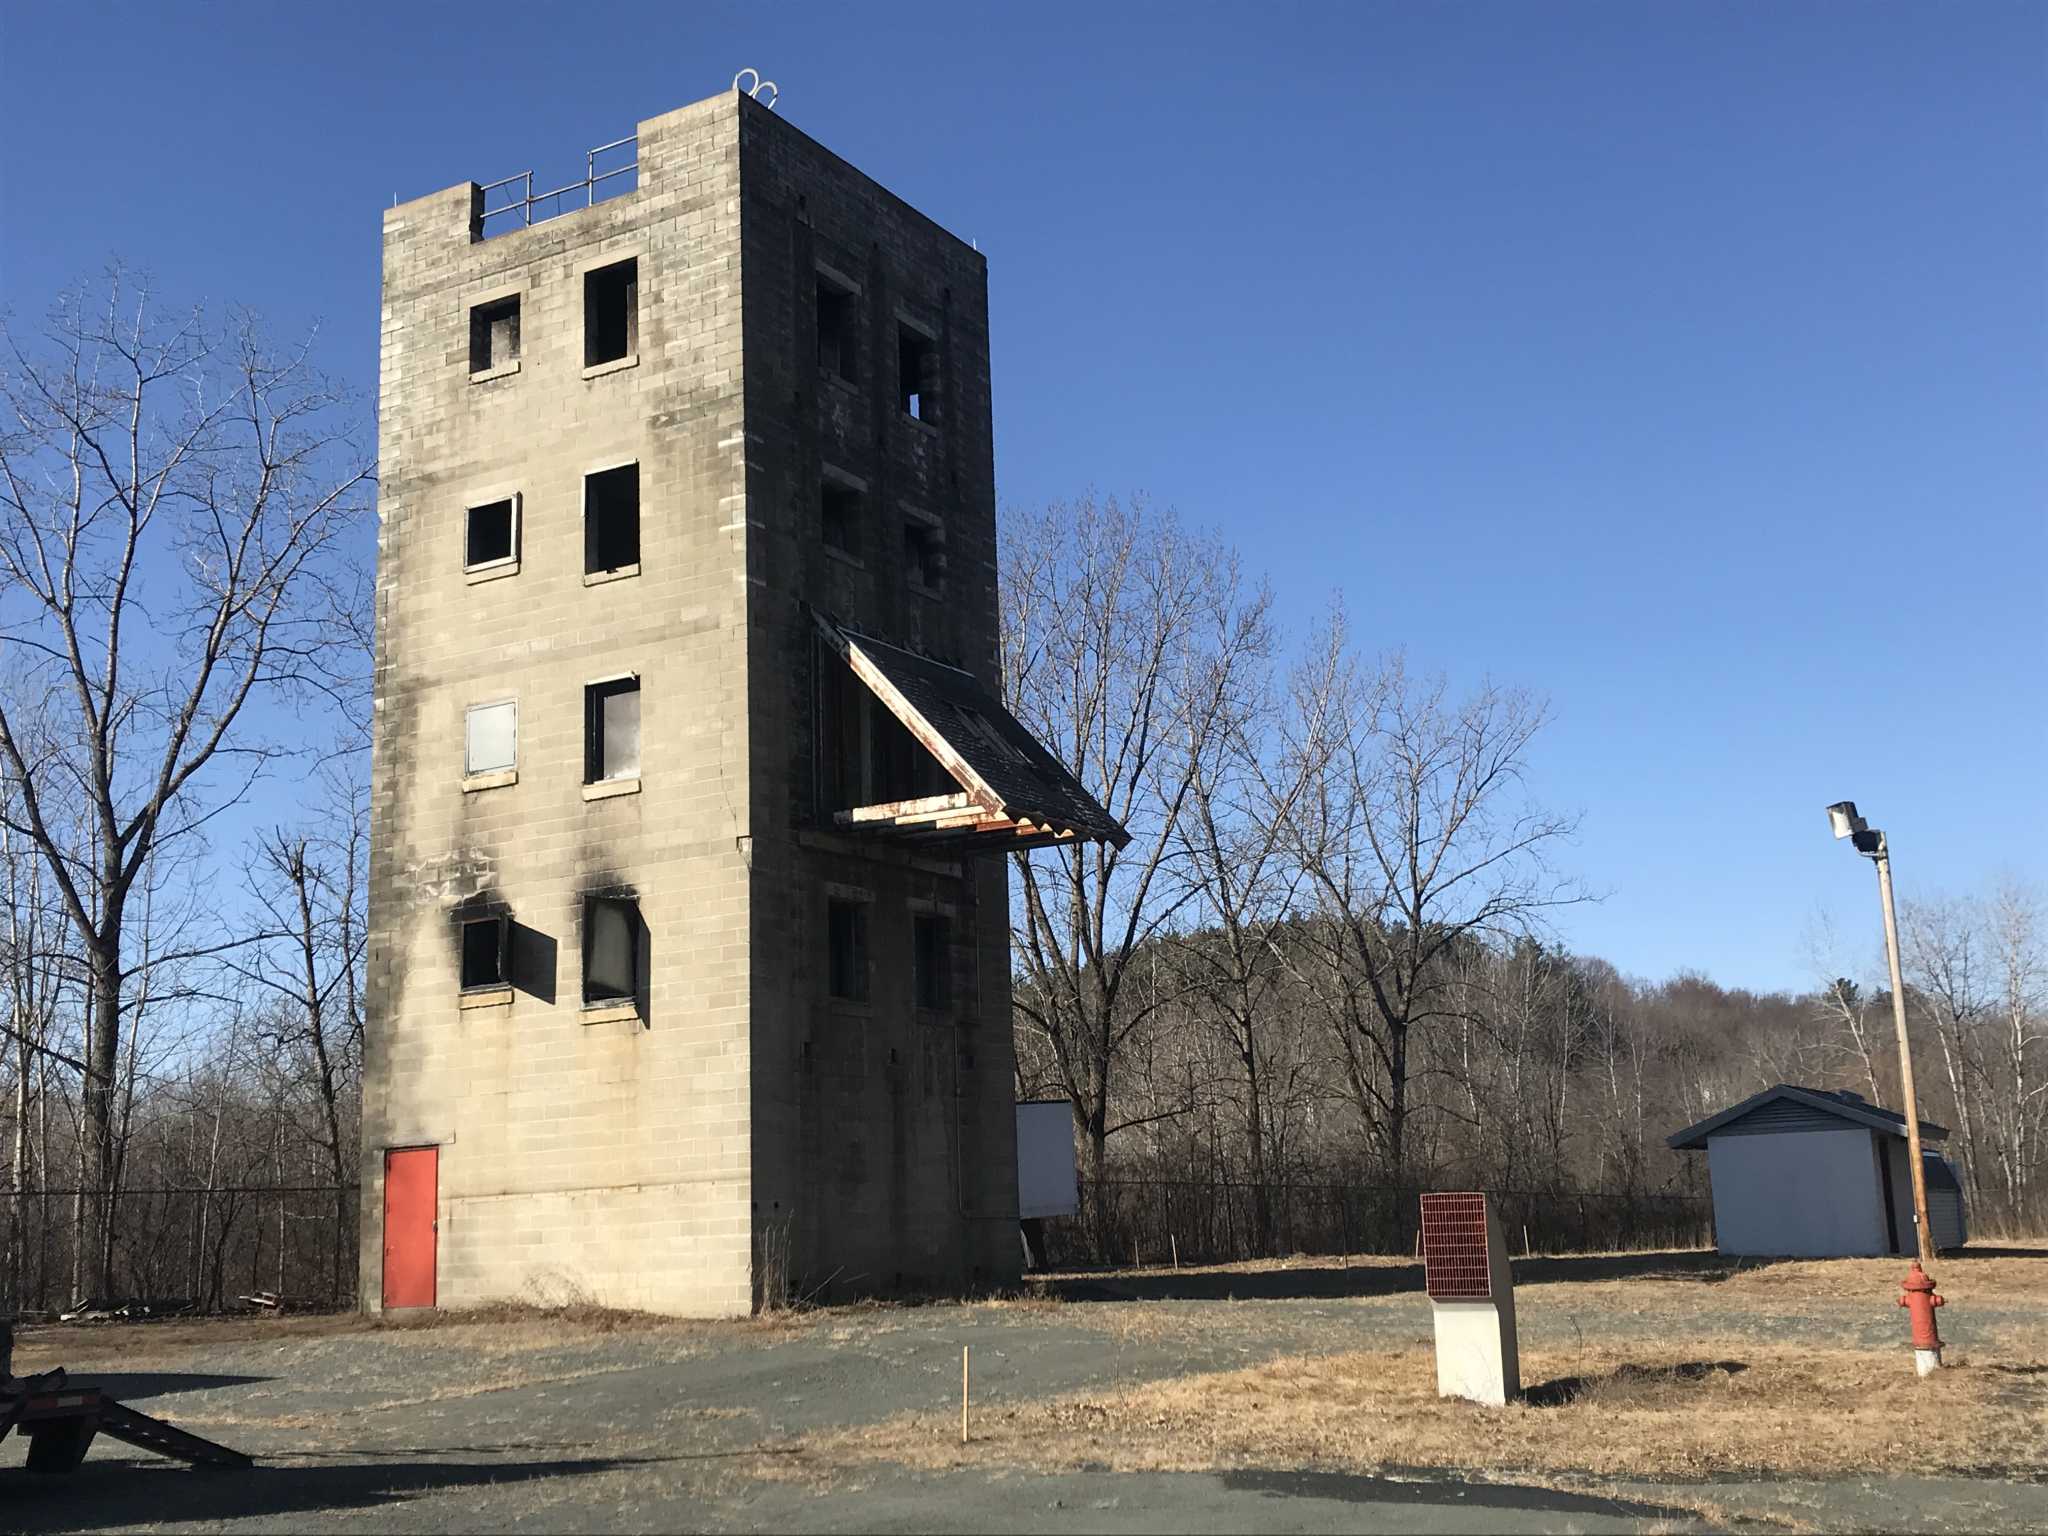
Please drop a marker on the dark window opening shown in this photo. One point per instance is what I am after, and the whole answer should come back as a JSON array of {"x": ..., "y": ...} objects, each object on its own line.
[
  {"x": 842, "y": 736},
  {"x": 917, "y": 373},
  {"x": 902, "y": 768},
  {"x": 483, "y": 954},
  {"x": 836, "y": 312},
  {"x": 847, "y": 922},
  {"x": 611, "y": 733},
  {"x": 611, "y": 519},
  {"x": 612, "y": 948},
  {"x": 865, "y": 754},
  {"x": 490, "y": 535},
  {"x": 494, "y": 335},
  {"x": 610, "y": 319},
  {"x": 931, "y": 960},
  {"x": 839, "y": 517},
  {"x": 922, "y": 554}
]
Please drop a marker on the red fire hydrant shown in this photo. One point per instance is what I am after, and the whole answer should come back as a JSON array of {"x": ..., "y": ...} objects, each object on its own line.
[{"x": 1920, "y": 1301}]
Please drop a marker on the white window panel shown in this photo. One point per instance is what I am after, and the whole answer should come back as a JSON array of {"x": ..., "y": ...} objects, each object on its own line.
[
  {"x": 491, "y": 737},
  {"x": 622, "y": 734}
]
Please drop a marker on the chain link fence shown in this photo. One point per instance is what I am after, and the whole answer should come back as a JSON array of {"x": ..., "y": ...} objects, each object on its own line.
[
  {"x": 1158, "y": 1221},
  {"x": 199, "y": 1250}
]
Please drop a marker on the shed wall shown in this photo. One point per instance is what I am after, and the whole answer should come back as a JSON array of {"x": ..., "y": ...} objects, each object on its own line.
[
  {"x": 1803, "y": 1194},
  {"x": 1944, "y": 1207}
]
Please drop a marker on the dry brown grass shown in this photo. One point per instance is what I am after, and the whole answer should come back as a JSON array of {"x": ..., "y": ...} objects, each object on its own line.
[
  {"x": 1785, "y": 1412},
  {"x": 2019, "y": 1276},
  {"x": 2013, "y": 1273}
]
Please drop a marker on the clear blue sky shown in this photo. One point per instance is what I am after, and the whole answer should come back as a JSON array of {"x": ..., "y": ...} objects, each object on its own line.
[{"x": 1687, "y": 362}]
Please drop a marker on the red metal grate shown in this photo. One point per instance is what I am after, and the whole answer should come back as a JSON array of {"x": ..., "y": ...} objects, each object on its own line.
[{"x": 1454, "y": 1258}]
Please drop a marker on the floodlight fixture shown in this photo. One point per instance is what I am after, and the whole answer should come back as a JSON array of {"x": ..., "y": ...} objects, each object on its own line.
[{"x": 1865, "y": 838}]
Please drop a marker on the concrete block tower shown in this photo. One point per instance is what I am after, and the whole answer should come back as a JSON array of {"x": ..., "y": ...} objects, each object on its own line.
[{"x": 689, "y": 961}]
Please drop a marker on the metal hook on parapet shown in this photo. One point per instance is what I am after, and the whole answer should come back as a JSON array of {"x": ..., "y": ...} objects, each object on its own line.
[{"x": 758, "y": 87}]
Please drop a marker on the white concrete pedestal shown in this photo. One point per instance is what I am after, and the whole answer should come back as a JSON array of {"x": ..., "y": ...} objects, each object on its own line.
[{"x": 1476, "y": 1356}]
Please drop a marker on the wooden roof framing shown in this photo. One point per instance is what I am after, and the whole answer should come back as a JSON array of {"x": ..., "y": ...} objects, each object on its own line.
[{"x": 1013, "y": 793}]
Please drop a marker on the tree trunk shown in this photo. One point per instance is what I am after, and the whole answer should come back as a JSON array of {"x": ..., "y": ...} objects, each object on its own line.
[
  {"x": 1097, "y": 1128},
  {"x": 17, "y": 1202},
  {"x": 96, "y": 1147},
  {"x": 1255, "y": 1139},
  {"x": 1397, "y": 1132}
]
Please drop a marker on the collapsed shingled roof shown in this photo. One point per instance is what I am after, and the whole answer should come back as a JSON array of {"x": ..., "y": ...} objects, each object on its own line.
[{"x": 1013, "y": 793}]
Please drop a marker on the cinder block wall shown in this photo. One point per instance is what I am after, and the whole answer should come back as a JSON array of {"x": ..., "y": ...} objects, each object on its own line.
[
  {"x": 651, "y": 1162},
  {"x": 601, "y": 1160},
  {"x": 884, "y": 1135}
]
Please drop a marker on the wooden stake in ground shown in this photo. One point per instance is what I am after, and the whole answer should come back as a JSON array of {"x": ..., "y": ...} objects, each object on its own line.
[{"x": 963, "y": 1394}]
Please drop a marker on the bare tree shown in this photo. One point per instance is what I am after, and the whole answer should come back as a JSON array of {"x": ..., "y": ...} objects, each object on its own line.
[
  {"x": 1942, "y": 959},
  {"x": 170, "y": 498},
  {"x": 2018, "y": 1102},
  {"x": 1844, "y": 1007},
  {"x": 1418, "y": 838},
  {"x": 1124, "y": 641},
  {"x": 32, "y": 964},
  {"x": 1241, "y": 890},
  {"x": 311, "y": 886}
]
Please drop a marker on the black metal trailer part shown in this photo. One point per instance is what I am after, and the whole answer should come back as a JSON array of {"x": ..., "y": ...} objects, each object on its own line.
[{"x": 61, "y": 1421}]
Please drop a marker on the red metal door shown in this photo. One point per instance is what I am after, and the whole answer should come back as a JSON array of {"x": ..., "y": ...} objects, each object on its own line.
[{"x": 411, "y": 1188}]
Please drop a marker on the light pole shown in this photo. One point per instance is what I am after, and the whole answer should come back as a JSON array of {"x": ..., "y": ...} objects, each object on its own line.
[
  {"x": 1869, "y": 842},
  {"x": 1919, "y": 1298}
]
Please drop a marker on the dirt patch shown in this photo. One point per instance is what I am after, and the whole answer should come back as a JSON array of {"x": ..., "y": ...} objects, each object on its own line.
[{"x": 1735, "y": 1409}]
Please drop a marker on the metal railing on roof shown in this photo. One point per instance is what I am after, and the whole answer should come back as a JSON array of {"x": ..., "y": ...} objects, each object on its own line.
[{"x": 524, "y": 199}]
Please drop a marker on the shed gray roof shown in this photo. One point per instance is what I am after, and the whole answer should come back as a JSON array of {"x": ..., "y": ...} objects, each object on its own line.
[{"x": 1799, "y": 1109}]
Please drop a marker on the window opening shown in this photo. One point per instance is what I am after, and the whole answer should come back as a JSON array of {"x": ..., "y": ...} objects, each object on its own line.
[
  {"x": 483, "y": 953},
  {"x": 836, "y": 314},
  {"x": 847, "y": 922},
  {"x": 839, "y": 517},
  {"x": 611, "y": 949},
  {"x": 490, "y": 737},
  {"x": 611, "y": 519},
  {"x": 931, "y": 960},
  {"x": 842, "y": 736},
  {"x": 491, "y": 534},
  {"x": 610, "y": 318},
  {"x": 866, "y": 755},
  {"x": 494, "y": 335},
  {"x": 921, "y": 554},
  {"x": 612, "y": 730},
  {"x": 917, "y": 373}
]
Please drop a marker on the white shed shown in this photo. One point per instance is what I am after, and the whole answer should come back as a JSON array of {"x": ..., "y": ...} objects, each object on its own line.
[{"x": 1805, "y": 1173}]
